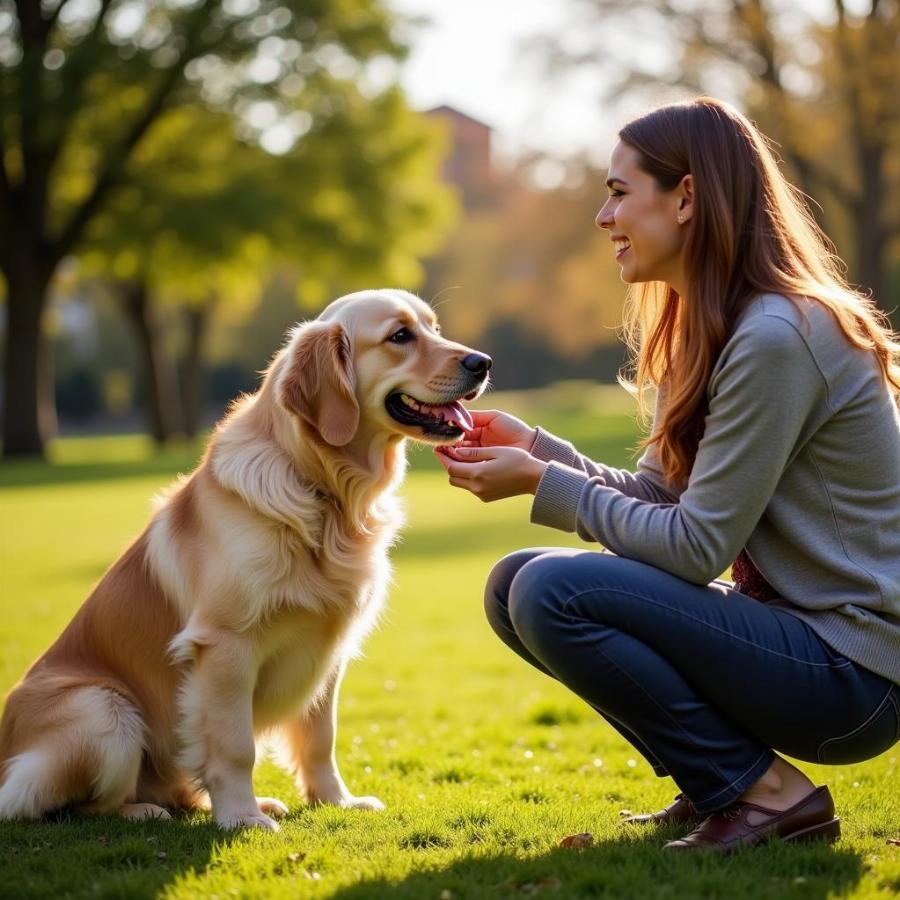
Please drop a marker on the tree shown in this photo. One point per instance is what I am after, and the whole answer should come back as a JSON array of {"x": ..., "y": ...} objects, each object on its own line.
[
  {"x": 207, "y": 218},
  {"x": 58, "y": 59},
  {"x": 825, "y": 90}
]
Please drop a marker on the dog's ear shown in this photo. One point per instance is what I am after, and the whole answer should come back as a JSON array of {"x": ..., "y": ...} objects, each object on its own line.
[{"x": 319, "y": 383}]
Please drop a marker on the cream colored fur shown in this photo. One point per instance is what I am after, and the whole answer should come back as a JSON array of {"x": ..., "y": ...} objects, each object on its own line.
[{"x": 235, "y": 612}]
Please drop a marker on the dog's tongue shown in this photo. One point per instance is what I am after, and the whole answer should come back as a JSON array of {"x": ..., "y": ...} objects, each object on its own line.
[{"x": 456, "y": 413}]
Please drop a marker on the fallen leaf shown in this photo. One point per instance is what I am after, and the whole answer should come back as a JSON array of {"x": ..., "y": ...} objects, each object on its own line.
[
  {"x": 894, "y": 841},
  {"x": 447, "y": 895},
  {"x": 535, "y": 887},
  {"x": 295, "y": 857},
  {"x": 578, "y": 841}
]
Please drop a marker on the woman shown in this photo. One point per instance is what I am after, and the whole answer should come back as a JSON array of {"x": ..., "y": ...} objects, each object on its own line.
[{"x": 775, "y": 445}]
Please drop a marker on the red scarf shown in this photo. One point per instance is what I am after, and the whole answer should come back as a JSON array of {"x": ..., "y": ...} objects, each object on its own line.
[{"x": 750, "y": 581}]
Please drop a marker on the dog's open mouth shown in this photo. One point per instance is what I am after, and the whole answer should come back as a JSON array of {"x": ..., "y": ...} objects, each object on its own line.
[{"x": 449, "y": 420}]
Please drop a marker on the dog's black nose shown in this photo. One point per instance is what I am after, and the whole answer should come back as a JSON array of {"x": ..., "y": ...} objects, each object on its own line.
[{"x": 477, "y": 363}]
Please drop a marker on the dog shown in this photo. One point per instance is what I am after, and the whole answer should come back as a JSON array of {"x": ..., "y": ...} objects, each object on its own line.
[{"x": 234, "y": 614}]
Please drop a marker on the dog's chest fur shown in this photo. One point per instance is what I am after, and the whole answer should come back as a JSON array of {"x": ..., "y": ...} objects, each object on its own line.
[
  {"x": 319, "y": 609},
  {"x": 305, "y": 607},
  {"x": 278, "y": 570}
]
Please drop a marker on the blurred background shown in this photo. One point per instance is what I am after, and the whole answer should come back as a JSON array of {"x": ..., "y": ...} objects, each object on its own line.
[{"x": 180, "y": 180}]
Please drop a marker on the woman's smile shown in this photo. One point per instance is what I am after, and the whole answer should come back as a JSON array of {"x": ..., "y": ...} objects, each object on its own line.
[{"x": 622, "y": 246}]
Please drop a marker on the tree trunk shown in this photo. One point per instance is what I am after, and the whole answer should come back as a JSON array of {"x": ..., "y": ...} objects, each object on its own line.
[
  {"x": 871, "y": 235},
  {"x": 29, "y": 414},
  {"x": 161, "y": 401},
  {"x": 194, "y": 369}
]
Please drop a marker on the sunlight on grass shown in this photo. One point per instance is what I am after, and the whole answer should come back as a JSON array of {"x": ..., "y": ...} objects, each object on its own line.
[{"x": 484, "y": 763}]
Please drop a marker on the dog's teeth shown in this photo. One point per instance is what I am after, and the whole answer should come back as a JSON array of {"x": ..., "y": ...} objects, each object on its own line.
[{"x": 412, "y": 403}]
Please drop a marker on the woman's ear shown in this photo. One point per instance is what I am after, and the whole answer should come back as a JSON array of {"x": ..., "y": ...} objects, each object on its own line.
[
  {"x": 319, "y": 383},
  {"x": 684, "y": 197}
]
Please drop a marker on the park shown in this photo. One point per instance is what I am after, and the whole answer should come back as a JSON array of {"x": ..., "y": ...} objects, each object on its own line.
[
  {"x": 485, "y": 767},
  {"x": 181, "y": 181}
]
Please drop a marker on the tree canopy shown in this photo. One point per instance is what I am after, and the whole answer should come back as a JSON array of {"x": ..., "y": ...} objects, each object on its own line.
[{"x": 199, "y": 133}]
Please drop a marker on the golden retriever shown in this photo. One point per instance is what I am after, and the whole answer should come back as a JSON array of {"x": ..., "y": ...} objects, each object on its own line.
[{"x": 235, "y": 611}]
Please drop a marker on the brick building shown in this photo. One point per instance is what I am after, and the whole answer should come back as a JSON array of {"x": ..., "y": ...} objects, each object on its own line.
[{"x": 468, "y": 164}]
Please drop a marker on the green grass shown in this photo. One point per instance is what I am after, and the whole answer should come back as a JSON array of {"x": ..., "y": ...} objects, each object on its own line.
[{"x": 484, "y": 764}]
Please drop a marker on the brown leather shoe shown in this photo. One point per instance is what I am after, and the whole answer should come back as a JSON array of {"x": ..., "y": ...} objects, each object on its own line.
[
  {"x": 679, "y": 812},
  {"x": 746, "y": 825}
]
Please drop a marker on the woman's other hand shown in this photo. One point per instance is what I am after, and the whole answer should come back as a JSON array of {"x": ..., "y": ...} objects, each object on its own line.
[
  {"x": 492, "y": 473},
  {"x": 493, "y": 428}
]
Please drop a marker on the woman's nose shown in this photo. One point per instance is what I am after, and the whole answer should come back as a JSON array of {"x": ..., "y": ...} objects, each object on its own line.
[{"x": 604, "y": 218}]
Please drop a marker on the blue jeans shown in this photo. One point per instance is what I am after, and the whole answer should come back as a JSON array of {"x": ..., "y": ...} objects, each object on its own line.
[{"x": 705, "y": 682}]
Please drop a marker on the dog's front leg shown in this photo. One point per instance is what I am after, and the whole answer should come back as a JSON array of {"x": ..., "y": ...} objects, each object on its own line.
[
  {"x": 310, "y": 739},
  {"x": 219, "y": 704}
]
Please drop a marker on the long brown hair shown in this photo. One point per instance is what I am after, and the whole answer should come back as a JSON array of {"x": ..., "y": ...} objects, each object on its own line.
[{"x": 751, "y": 233}]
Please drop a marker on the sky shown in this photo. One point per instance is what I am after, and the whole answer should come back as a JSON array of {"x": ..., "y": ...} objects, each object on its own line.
[{"x": 470, "y": 57}]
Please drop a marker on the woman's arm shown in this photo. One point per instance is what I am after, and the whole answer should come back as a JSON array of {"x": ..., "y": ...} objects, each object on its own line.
[
  {"x": 762, "y": 399},
  {"x": 647, "y": 483},
  {"x": 496, "y": 434}
]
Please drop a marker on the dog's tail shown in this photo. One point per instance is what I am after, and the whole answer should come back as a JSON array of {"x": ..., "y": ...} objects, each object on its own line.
[{"x": 65, "y": 742}]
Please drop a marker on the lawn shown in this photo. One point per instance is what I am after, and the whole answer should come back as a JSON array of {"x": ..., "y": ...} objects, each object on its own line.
[{"x": 484, "y": 764}]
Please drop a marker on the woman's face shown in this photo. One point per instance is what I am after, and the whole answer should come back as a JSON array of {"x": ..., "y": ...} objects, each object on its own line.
[{"x": 642, "y": 221}]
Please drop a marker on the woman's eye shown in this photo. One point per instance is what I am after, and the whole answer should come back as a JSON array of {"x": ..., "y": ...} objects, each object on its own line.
[
  {"x": 614, "y": 192},
  {"x": 403, "y": 336}
]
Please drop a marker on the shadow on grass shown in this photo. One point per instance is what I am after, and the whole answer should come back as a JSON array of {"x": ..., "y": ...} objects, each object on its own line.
[
  {"x": 631, "y": 867},
  {"x": 102, "y": 856},
  {"x": 33, "y": 473}
]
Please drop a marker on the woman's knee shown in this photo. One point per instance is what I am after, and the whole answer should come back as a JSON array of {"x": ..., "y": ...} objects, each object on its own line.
[
  {"x": 535, "y": 595},
  {"x": 546, "y": 592},
  {"x": 499, "y": 582}
]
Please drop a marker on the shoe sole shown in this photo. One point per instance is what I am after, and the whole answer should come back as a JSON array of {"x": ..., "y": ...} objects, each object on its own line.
[{"x": 827, "y": 831}]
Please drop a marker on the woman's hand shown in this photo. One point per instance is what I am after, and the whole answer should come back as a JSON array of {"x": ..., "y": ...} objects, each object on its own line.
[
  {"x": 492, "y": 473},
  {"x": 493, "y": 428}
]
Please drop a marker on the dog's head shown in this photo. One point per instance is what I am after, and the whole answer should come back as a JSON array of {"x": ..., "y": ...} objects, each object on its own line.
[{"x": 376, "y": 360}]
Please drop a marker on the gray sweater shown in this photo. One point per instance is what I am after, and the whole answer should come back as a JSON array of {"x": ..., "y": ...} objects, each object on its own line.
[{"x": 799, "y": 462}]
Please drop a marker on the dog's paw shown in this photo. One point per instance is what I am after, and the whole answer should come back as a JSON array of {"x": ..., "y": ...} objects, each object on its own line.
[
  {"x": 344, "y": 799},
  {"x": 257, "y": 819},
  {"x": 142, "y": 811},
  {"x": 272, "y": 806},
  {"x": 362, "y": 803}
]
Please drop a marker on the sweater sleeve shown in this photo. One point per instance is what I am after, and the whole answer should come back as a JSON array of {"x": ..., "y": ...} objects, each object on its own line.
[
  {"x": 764, "y": 390},
  {"x": 647, "y": 483}
]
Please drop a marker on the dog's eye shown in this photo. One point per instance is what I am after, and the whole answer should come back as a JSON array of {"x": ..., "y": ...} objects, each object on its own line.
[{"x": 403, "y": 336}]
